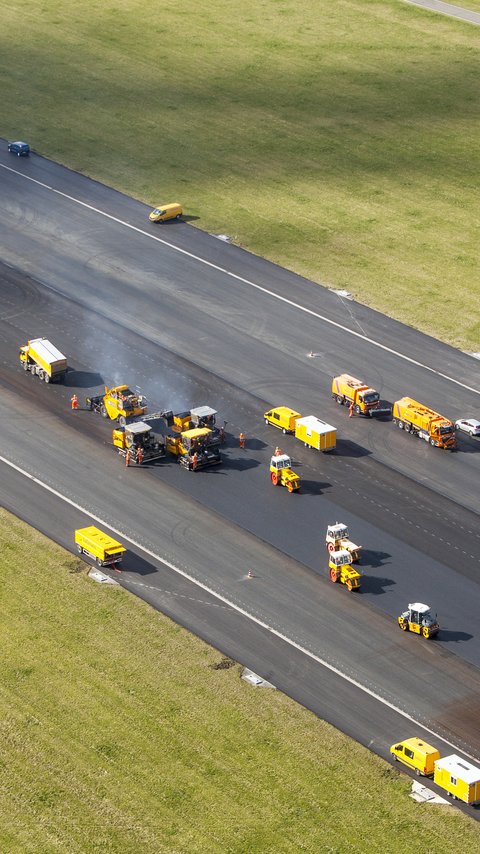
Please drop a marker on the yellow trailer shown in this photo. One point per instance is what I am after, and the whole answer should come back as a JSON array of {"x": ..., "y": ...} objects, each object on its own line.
[
  {"x": 315, "y": 433},
  {"x": 459, "y": 778},
  {"x": 99, "y": 546}
]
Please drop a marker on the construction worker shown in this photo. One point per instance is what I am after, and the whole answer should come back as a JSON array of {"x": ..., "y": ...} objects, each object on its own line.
[
  {"x": 222, "y": 435},
  {"x": 351, "y": 410},
  {"x": 139, "y": 455},
  {"x": 194, "y": 461},
  {"x": 74, "y": 401},
  {"x": 241, "y": 440},
  {"x": 127, "y": 457},
  {"x": 278, "y": 451}
]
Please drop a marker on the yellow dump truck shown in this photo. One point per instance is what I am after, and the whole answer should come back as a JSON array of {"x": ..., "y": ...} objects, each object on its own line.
[
  {"x": 196, "y": 449},
  {"x": 281, "y": 473},
  {"x": 119, "y": 404},
  {"x": 416, "y": 754},
  {"x": 459, "y": 778},
  {"x": 341, "y": 569},
  {"x": 315, "y": 433},
  {"x": 419, "y": 420},
  {"x": 419, "y": 619},
  {"x": 338, "y": 538},
  {"x": 42, "y": 359},
  {"x": 282, "y": 417},
  {"x": 99, "y": 546},
  {"x": 366, "y": 400}
]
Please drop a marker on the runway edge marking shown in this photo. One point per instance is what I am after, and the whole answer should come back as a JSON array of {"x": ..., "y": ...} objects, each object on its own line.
[
  {"x": 235, "y": 607},
  {"x": 251, "y": 284}
]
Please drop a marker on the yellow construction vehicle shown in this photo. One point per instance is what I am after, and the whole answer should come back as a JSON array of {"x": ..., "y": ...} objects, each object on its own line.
[
  {"x": 195, "y": 449},
  {"x": 140, "y": 440},
  {"x": 337, "y": 538},
  {"x": 419, "y": 420},
  {"x": 365, "y": 400},
  {"x": 119, "y": 404},
  {"x": 281, "y": 473},
  {"x": 419, "y": 619},
  {"x": 42, "y": 359},
  {"x": 99, "y": 546},
  {"x": 341, "y": 569}
]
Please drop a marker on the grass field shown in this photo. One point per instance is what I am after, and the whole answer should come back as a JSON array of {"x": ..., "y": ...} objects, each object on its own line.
[
  {"x": 118, "y": 734},
  {"x": 338, "y": 139}
]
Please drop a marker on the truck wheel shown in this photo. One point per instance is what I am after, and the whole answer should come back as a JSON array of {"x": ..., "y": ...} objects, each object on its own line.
[
  {"x": 284, "y": 431},
  {"x": 333, "y": 575},
  {"x": 357, "y": 409},
  {"x": 122, "y": 420},
  {"x": 46, "y": 377},
  {"x": 79, "y": 549},
  {"x": 274, "y": 477},
  {"x": 267, "y": 421},
  {"x": 407, "y": 428},
  {"x": 339, "y": 399},
  {"x": 432, "y": 442},
  {"x": 400, "y": 425},
  {"x": 25, "y": 366},
  {"x": 99, "y": 561},
  {"x": 103, "y": 411}
]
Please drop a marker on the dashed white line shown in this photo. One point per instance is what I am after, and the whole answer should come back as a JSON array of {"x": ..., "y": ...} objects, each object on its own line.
[{"x": 242, "y": 279}]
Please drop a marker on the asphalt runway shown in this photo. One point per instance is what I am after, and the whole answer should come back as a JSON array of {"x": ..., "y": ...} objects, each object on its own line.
[{"x": 188, "y": 334}]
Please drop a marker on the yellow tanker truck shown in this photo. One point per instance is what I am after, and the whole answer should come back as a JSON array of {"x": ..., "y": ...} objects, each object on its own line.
[{"x": 419, "y": 420}]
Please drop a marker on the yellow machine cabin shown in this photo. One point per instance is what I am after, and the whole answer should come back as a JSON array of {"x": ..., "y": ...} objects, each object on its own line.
[
  {"x": 338, "y": 538},
  {"x": 341, "y": 569},
  {"x": 459, "y": 778},
  {"x": 419, "y": 619},
  {"x": 282, "y": 417},
  {"x": 419, "y": 420},
  {"x": 196, "y": 448},
  {"x": 99, "y": 546},
  {"x": 416, "y": 754},
  {"x": 281, "y": 473},
  {"x": 315, "y": 433},
  {"x": 365, "y": 400},
  {"x": 119, "y": 404},
  {"x": 42, "y": 359},
  {"x": 139, "y": 439}
]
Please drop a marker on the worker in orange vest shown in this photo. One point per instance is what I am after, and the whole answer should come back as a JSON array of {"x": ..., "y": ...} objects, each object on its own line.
[
  {"x": 194, "y": 461},
  {"x": 127, "y": 458},
  {"x": 139, "y": 456},
  {"x": 74, "y": 401},
  {"x": 241, "y": 440},
  {"x": 351, "y": 410}
]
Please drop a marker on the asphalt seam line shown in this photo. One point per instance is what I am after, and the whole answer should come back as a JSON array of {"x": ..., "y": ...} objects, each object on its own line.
[
  {"x": 251, "y": 284},
  {"x": 233, "y": 606}
]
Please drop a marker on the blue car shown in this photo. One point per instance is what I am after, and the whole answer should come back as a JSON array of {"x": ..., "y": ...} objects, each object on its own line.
[{"x": 22, "y": 149}]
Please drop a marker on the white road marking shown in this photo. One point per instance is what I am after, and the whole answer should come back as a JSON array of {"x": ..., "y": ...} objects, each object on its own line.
[
  {"x": 257, "y": 287},
  {"x": 235, "y": 607}
]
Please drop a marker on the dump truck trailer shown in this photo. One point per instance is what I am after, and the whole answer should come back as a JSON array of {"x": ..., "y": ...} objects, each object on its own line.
[
  {"x": 419, "y": 420},
  {"x": 99, "y": 546},
  {"x": 42, "y": 359},
  {"x": 366, "y": 400},
  {"x": 315, "y": 433}
]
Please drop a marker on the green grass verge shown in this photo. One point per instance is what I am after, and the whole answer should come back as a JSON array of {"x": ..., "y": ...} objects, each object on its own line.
[
  {"x": 338, "y": 139},
  {"x": 118, "y": 734}
]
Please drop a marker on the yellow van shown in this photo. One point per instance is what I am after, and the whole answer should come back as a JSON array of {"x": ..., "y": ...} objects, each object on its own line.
[
  {"x": 283, "y": 418},
  {"x": 164, "y": 212},
  {"x": 417, "y": 754}
]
